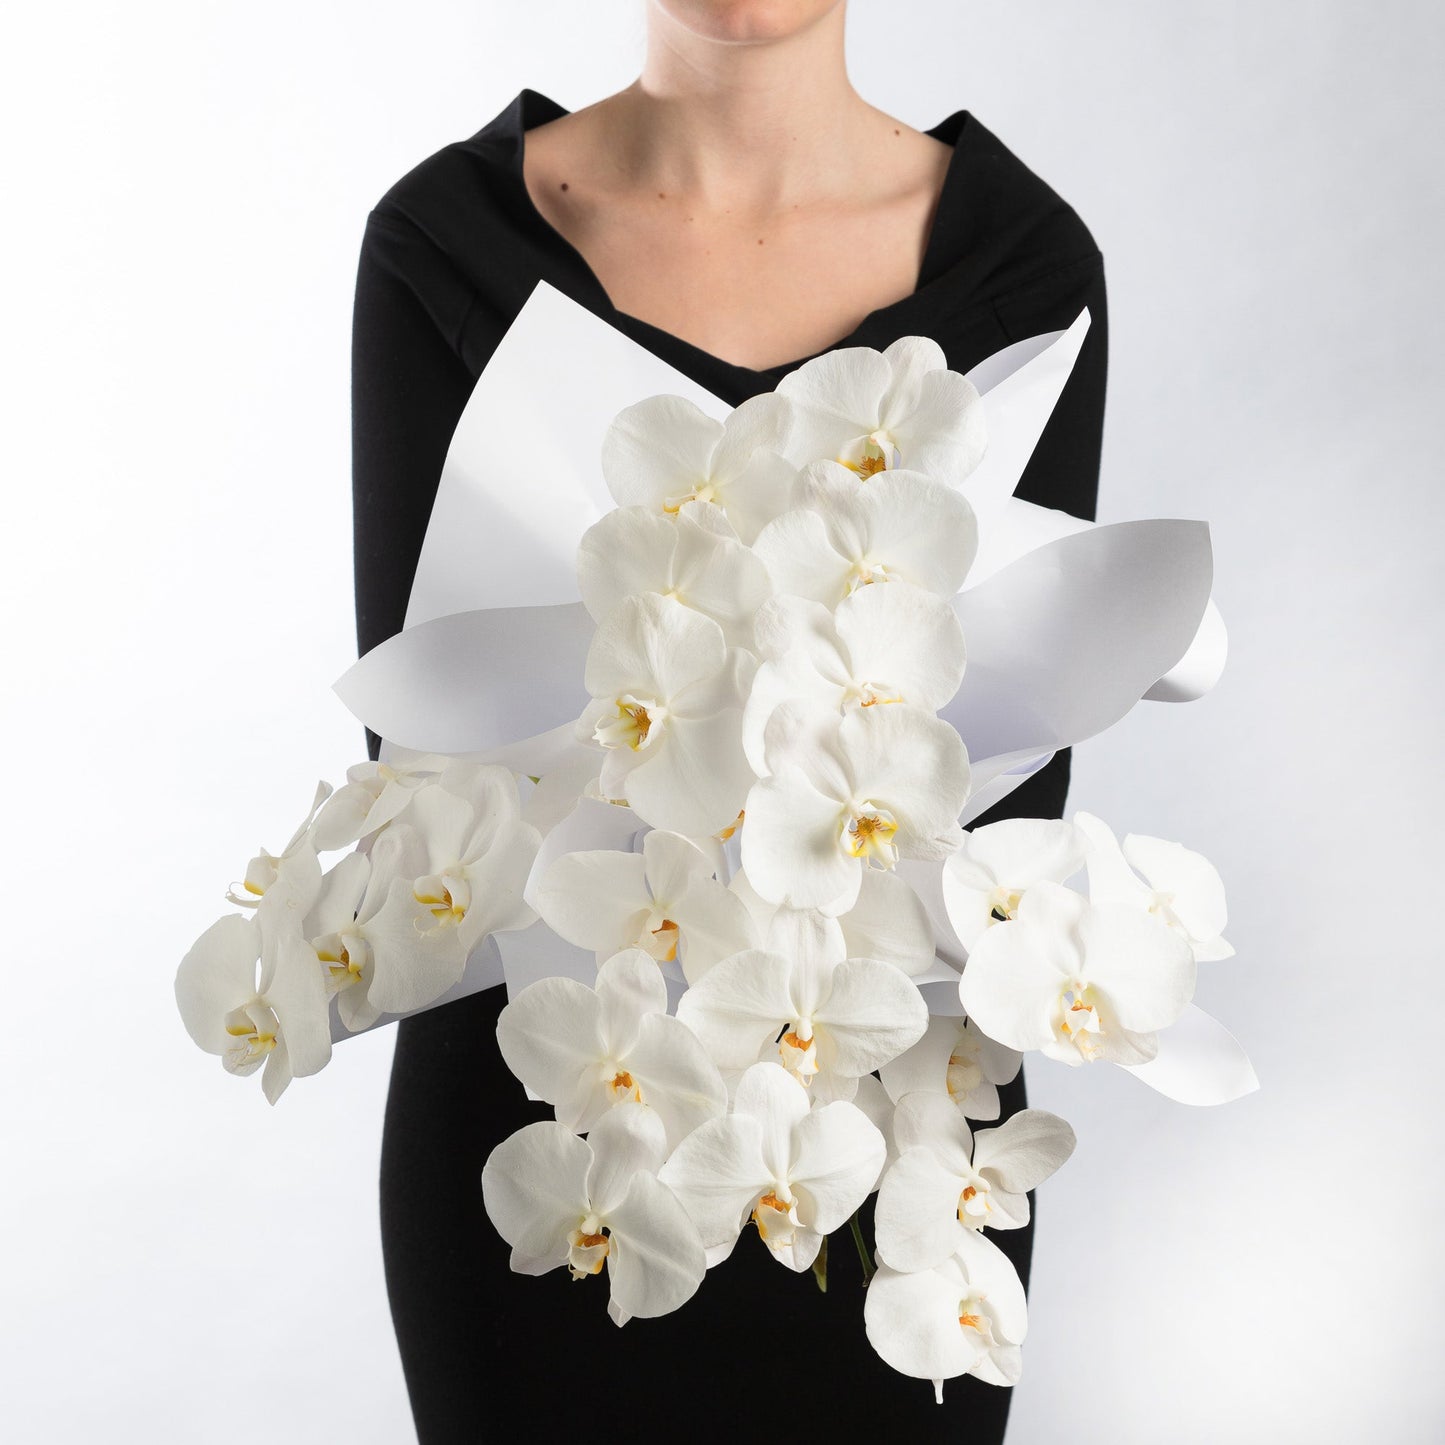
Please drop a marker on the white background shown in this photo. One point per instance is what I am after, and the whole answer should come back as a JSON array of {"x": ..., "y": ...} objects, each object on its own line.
[{"x": 185, "y": 189}]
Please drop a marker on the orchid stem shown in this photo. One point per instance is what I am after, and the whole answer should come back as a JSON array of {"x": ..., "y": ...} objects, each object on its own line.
[
  {"x": 820, "y": 1266},
  {"x": 868, "y": 1270}
]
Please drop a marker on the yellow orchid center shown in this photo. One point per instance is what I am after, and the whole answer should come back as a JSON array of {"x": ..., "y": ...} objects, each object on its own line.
[
  {"x": 702, "y": 491},
  {"x": 965, "y": 1073},
  {"x": 974, "y": 1206},
  {"x": 587, "y": 1248},
  {"x": 799, "y": 1055},
  {"x": 343, "y": 967},
  {"x": 633, "y": 723},
  {"x": 661, "y": 942},
  {"x": 446, "y": 896},
  {"x": 870, "y": 694},
  {"x": 1003, "y": 903},
  {"x": 869, "y": 455},
  {"x": 973, "y": 1315},
  {"x": 866, "y": 572},
  {"x": 776, "y": 1217},
  {"x": 868, "y": 834},
  {"x": 256, "y": 1031},
  {"x": 1079, "y": 1022},
  {"x": 624, "y": 1089}
]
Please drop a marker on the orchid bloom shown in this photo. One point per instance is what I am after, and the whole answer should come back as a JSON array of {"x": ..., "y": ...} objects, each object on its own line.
[
  {"x": 881, "y": 646},
  {"x": 663, "y": 900},
  {"x": 252, "y": 993},
  {"x": 594, "y": 1203},
  {"x": 1180, "y": 888},
  {"x": 957, "y": 1060},
  {"x": 373, "y": 795},
  {"x": 966, "y": 1316},
  {"x": 467, "y": 853},
  {"x": 587, "y": 1050},
  {"x": 796, "y": 1172},
  {"x": 695, "y": 558},
  {"x": 667, "y": 695},
  {"x": 375, "y": 944},
  {"x": 874, "y": 410},
  {"x": 879, "y": 784},
  {"x": 1078, "y": 981},
  {"x": 262, "y": 870},
  {"x": 665, "y": 452},
  {"x": 948, "y": 1180},
  {"x": 984, "y": 882},
  {"x": 798, "y": 1001},
  {"x": 904, "y": 526}
]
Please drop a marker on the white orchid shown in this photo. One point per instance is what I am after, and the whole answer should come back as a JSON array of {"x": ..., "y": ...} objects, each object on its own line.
[
  {"x": 374, "y": 793},
  {"x": 966, "y": 1316},
  {"x": 375, "y": 945},
  {"x": 881, "y": 646},
  {"x": 873, "y": 410},
  {"x": 800, "y": 1002},
  {"x": 797, "y": 1172},
  {"x": 667, "y": 695},
  {"x": 948, "y": 1180},
  {"x": 1078, "y": 981},
  {"x": 984, "y": 882},
  {"x": 957, "y": 1060},
  {"x": 467, "y": 853},
  {"x": 877, "y": 785},
  {"x": 1179, "y": 887},
  {"x": 695, "y": 558},
  {"x": 262, "y": 870},
  {"x": 888, "y": 921},
  {"x": 589, "y": 1203},
  {"x": 664, "y": 900},
  {"x": 904, "y": 526},
  {"x": 253, "y": 994},
  {"x": 587, "y": 1050},
  {"x": 665, "y": 452}
]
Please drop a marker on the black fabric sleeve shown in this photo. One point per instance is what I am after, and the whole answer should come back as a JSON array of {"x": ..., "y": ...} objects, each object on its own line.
[
  {"x": 1064, "y": 469},
  {"x": 408, "y": 389}
]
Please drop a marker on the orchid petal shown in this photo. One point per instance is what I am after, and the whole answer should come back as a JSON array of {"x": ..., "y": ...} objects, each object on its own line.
[
  {"x": 655, "y": 1261},
  {"x": 534, "y": 1192},
  {"x": 627, "y": 1140},
  {"x": 837, "y": 1153}
]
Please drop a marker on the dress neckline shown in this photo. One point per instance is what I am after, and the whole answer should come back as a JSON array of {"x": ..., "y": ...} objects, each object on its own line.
[{"x": 532, "y": 108}]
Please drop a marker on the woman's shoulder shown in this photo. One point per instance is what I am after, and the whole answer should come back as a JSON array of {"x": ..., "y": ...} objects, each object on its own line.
[
  {"x": 451, "y": 229},
  {"x": 1014, "y": 228},
  {"x": 450, "y": 193}
]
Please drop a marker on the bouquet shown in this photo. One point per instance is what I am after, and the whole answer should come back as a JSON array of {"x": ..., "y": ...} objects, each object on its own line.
[{"x": 697, "y": 780}]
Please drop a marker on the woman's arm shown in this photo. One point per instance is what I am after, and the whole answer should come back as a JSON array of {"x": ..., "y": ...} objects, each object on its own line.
[
  {"x": 408, "y": 389},
  {"x": 1064, "y": 469}
]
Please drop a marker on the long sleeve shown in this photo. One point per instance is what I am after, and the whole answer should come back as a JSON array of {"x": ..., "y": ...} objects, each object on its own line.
[
  {"x": 1064, "y": 469},
  {"x": 409, "y": 387}
]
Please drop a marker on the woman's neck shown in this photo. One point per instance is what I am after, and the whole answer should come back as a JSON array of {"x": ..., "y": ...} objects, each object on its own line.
[{"x": 750, "y": 125}]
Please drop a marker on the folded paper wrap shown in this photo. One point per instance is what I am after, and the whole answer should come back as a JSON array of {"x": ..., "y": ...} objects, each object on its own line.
[{"x": 1067, "y": 623}]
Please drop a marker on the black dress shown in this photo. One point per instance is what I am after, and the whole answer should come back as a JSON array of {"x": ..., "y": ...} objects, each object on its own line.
[{"x": 449, "y": 255}]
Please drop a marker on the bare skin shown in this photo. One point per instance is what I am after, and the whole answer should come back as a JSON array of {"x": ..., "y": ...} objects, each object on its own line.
[{"x": 740, "y": 194}]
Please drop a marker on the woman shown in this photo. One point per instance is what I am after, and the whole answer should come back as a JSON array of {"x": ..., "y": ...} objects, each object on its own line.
[{"x": 737, "y": 204}]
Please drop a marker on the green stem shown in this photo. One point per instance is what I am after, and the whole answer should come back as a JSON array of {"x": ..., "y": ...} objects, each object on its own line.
[
  {"x": 820, "y": 1266},
  {"x": 863, "y": 1259}
]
